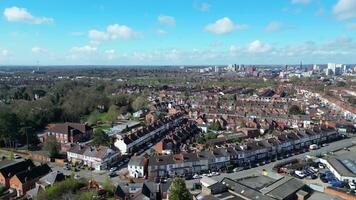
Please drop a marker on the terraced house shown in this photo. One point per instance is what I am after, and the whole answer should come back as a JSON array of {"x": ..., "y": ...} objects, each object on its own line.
[{"x": 246, "y": 153}]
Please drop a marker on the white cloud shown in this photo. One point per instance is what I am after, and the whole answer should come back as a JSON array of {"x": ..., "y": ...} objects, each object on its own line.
[
  {"x": 36, "y": 49},
  {"x": 83, "y": 49},
  {"x": 258, "y": 47},
  {"x": 113, "y": 32},
  {"x": 234, "y": 49},
  {"x": 110, "y": 54},
  {"x": 167, "y": 20},
  {"x": 120, "y": 31},
  {"x": 98, "y": 35},
  {"x": 273, "y": 26},
  {"x": 351, "y": 26},
  {"x": 300, "y": 1},
  {"x": 223, "y": 26},
  {"x": 161, "y": 32},
  {"x": 345, "y": 9},
  {"x": 4, "y": 52},
  {"x": 16, "y": 14},
  {"x": 216, "y": 43},
  {"x": 203, "y": 7}
]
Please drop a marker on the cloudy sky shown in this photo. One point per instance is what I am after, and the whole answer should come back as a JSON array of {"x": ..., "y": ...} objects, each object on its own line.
[{"x": 177, "y": 32}]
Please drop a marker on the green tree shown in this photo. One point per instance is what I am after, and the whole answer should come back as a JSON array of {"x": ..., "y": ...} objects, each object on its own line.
[
  {"x": 178, "y": 190},
  {"x": 139, "y": 103},
  {"x": 52, "y": 146},
  {"x": 88, "y": 195},
  {"x": 94, "y": 117},
  {"x": 295, "y": 110},
  {"x": 113, "y": 113},
  {"x": 108, "y": 186},
  {"x": 100, "y": 138},
  {"x": 8, "y": 128},
  {"x": 216, "y": 126}
]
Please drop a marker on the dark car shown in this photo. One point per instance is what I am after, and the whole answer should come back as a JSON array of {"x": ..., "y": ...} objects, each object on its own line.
[
  {"x": 313, "y": 176},
  {"x": 112, "y": 174}
]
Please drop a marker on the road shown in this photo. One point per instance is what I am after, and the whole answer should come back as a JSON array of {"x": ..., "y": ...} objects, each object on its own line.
[{"x": 334, "y": 146}]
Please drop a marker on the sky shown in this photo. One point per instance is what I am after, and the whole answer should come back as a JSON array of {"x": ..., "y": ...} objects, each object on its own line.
[{"x": 177, "y": 32}]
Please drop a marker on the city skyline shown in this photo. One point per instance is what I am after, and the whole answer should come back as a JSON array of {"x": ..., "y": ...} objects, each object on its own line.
[{"x": 177, "y": 32}]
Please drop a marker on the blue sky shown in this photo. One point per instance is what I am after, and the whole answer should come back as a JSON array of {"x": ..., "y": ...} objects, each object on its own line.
[{"x": 177, "y": 32}]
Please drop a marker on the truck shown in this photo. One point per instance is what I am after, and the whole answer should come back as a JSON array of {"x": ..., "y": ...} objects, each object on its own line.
[{"x": 313, "y": 146}]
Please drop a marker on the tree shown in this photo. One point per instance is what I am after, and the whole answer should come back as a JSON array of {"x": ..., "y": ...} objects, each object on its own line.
[
  {"x": 216, "y": 126},
  {"x": 8, "y": 127},
  {"x": 108, "y": 186},
  {"x": 295, "y": 110},
  {"x": 52, "y": 146},
  {"x": 113, "y": 113},
  {"x": 93, "y": 118},
  {"x": 178, "y": 190},
  {"x": 100, "y": 138},
  {"x": 139, "y": 103}
]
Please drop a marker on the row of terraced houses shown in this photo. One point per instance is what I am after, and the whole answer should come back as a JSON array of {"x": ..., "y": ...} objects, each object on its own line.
[{"x": 248, "y": 152}]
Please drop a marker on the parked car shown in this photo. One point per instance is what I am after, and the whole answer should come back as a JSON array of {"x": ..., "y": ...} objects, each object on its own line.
[
  {"x": 113, "y": 169},
  {"x": 237, "y": 169},
  {"x": 321, "y": 166},
  {"x": 352, "y": 185},
  {"x": 76, "y": 176},
  {"x": 215, "y": 173},
  {"x": 197, "y": 176},
  {"x": 112, "y": 174},
  {"x": 313, "y": 176},
  {"x": 17, "y": 156},
  {"x": 299, "y": 174},
  {"x": 315, "y": 170},
  {"x": 313, "y": 147}
]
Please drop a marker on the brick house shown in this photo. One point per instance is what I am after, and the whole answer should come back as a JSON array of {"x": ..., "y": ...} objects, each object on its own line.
[
  {"x": 26, "y": 180},
  {"x": 12, "y": 168},
  {"x": 151, "y": 117},
  {"x": 69, "y": 132}
]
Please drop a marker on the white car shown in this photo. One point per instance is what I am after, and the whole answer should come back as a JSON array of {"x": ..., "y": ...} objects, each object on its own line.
[
  {"x": 76, "y": 176},
  {"x": 352, "y": 185},
  {"x": 215, "y": 173},
  {"x": 299, "y": 174},
  {"x": 196, "y": 176},
  {"x": 315, "y": 170},
  {"x": 237, "y": 169},
  {"x": 113, "y": 169}
]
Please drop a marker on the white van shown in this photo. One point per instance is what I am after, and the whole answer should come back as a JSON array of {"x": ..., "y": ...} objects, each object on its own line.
[{"x": 313, "y": 147}]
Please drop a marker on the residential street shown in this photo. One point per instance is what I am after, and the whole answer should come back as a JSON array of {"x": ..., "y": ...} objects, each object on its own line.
[
  {"x": 258, "y": 170},
  {"x": 100, "y": 176}
]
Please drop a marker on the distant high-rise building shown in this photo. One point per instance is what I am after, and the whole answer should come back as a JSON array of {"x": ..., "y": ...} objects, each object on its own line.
[
  {"x": 216, "y": 69},
  {"x": 316, "y": 67},
  {"x": 301, "y": 65},
  {"x": 335, "y": 69}
]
